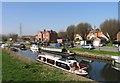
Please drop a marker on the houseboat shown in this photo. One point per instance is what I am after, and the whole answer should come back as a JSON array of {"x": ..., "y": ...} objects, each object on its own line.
[
  {"x": 68, "y": 65},
  {"x": 116, "y": 62},
  {"x": 15, "y": 49},
  {"x": 20, "y": 46},
  {"x": 34, "y": 48},
  {"x": 60, "y": 51},
  {"x": 116, "y": 59}
]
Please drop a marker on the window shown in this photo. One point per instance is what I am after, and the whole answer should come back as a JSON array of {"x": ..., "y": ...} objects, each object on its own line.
[
  {"x": 39, "y": 57},
  {"x": 50, "y": 61},
  {"x": 43, "y": 59},
  {"x": 58, "y": 64},
  {"x": 62, "y": 65}
]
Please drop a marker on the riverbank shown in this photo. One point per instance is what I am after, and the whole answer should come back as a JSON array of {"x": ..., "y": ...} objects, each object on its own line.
[
  {"x": 0, "y": 65},
  {"x": 101, "y": 52},
  {"x": 20, "y": 68},
  {"x": 94, "y": 54}
]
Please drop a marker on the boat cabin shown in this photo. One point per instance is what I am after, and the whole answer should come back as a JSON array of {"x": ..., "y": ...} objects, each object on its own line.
[
  {"x": 61, "y": 63},
  {"x": 52, "y": 60}
]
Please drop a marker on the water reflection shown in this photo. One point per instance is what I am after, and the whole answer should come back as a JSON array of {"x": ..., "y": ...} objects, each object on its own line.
[
  {"x": 29, "y": 53},
  {"x": 95, "y": 69},
  {"x": 110, "y": 74}
]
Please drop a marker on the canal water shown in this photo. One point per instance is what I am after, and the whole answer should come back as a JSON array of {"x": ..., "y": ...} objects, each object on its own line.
[{"x": 99, "y": 71}]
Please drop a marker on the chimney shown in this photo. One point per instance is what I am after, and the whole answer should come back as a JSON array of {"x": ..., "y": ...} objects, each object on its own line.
[
  {"x": 44, "y": 30},
  {"x": 51, "y": 30}
]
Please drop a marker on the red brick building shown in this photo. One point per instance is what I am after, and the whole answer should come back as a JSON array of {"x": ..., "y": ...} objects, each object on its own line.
[
  {"x": 40, "y": 36},
  {"x": 47, "y": 36},
  {"x": 118, "y": 36}
]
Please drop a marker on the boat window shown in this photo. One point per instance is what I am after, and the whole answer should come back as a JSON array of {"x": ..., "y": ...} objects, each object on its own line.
[
  {"x": 43, "y": 59},
  {"x": 39, "y": 57},
  {"x": 58, "y": 64},
  {"x": 50, "y": 61},
  {"x": 62, "y": 65}
]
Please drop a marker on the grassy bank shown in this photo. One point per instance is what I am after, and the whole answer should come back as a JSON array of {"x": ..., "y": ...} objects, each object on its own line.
[
  {"x": 95, "y": 51},
  {"x": 0, "y": 65},
  {"x": 20, "y": 68}
]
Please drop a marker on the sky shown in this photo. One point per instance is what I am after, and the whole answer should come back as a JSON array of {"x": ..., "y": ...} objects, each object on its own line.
[{"x": 37, "y": 16}]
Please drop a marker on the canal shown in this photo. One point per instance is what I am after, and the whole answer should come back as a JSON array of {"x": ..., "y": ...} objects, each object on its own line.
[{"x": 99, "y": 71}]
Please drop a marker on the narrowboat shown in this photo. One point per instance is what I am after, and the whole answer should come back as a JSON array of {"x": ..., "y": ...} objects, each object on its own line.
[{"x": 60, "y": 51}]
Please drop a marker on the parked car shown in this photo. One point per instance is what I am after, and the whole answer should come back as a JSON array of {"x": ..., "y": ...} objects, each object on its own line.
[
  {"x": 69, "y": 45},
  {"x": 88, "y": 46},
  {"x": 116, "y": 45},
  {"x": 102, "y": 44}
]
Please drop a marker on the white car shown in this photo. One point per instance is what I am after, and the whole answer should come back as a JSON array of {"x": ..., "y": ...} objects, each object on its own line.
[{"x": 88, "y": 46}]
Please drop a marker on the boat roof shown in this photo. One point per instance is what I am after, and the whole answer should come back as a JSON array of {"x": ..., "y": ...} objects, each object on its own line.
[
  {"x": 50, "y": 56},
  {"x": 56, "y": 58}
]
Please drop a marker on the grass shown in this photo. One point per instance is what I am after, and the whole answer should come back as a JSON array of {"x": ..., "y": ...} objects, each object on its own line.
[
  {"x": 109, "y": 45},
  {"x": 0, "y": 65},
  {"x": 95, "y": 51},
  {"x": 18, "y": 68}
]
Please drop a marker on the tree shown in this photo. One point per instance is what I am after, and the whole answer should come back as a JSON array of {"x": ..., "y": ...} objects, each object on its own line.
[
  {"x": 110, "y": 27},
  {"x": 62, "y": 35},
  {"x": 70, "y": 32},
  {"x": 83, "y": 29},
  {"x": 13, "y": 36}
]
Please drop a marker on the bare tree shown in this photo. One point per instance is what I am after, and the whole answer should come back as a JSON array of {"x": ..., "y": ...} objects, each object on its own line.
[
  {"x": 83, "y": 29},
  {"x": 70, "y": 32},
  {"x": 110, "y": 27},
  {"x": 62, "y": 35}
]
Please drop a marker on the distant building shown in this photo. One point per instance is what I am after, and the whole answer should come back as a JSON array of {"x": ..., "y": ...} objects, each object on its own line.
[
  {"x": 93, "y": 34},
  {"x": 98, "y": 40},
  {"x": 118, "y": 36},
  {"x": 77, "y": 37},
  {"x": 28, "y": 38},
  {"x": 40, "y": 36},
  {"x": 47, "y": 36},
  {"x": 97, "y": 37}
]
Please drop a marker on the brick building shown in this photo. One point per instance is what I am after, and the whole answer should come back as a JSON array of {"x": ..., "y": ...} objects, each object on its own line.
[
  {"x": 97, "y": 37},
  {"x": 118, "y": 36},
  {"x": 39, "y": 36},
  {"x": 77, "y": 37},
  {"x": 47, "y": 36},
  {"x": 93, "y": 34}
]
